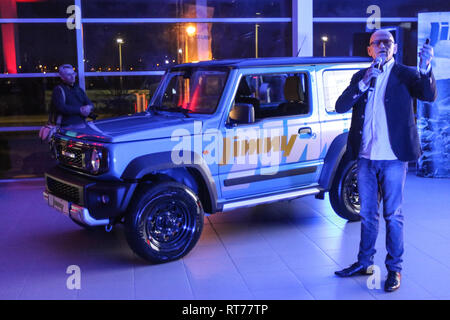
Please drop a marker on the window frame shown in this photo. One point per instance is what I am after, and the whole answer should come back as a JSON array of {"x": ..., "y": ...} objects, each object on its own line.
[
  {"x": 308, "y": 93},
  {"x": 324, "y": 71}
]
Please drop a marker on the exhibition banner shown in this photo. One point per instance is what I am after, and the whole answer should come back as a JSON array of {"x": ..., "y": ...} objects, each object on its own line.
[{"x": 433, "y": 119}]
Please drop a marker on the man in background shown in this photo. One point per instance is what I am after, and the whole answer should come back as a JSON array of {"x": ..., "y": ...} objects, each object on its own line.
[{"x": 69, "y": 101}]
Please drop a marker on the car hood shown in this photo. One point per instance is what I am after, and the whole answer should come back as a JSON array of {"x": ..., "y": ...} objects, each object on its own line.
[{"x": 135, "y": 127}]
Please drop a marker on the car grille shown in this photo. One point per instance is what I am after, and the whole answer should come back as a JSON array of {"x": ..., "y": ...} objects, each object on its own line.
[
  {"x": 63, "y": 190},
  {"x": 69, "y": 154},
  {"x": 76, "y": 154}
]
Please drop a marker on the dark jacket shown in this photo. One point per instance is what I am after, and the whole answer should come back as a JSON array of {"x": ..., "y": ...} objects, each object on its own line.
[
  {"x": 69, "y": 106},
  {"x": 404, "y": 84}
]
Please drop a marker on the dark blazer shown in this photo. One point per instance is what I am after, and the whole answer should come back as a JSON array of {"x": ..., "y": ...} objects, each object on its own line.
[
  {"x": 68, "y": 104},
  {"x": 404, "y": 84}
]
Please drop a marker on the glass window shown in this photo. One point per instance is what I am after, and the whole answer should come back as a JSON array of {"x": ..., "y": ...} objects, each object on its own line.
[
  {"x": 249, "y": 8},
  {"x": 25, "y": 101},
  {"x": 401, "y": 8},
  {"x": 352, "y": 39},
  {"x": 341, "y": 39},
  {"x": 192, "y": 90},
  {"x": 144, "y": 47},
  {"x": 34, "y": 8},
  {"x": 334, "y": 83},
  {"x": 115, "y": 96},
  {"x": 275, "y": 95},
  {"x": 2, "y": 57},
  {"x": 185, "y": 9},
  {"x": 23, "y": 156},
  {"x": 158, "y": 46},
  {"x": 274, "y": 40},
  {"x": 132, "y": 9},
  {"x": 36, "y": 47}
]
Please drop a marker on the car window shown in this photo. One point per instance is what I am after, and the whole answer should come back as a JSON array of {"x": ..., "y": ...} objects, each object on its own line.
[
  {"x": 192, "y": 90},
  {"x": 334, "y": 83},
  {"x": 275, "y": 95}
]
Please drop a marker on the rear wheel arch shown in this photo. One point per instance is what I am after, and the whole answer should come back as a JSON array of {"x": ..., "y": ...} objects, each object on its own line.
[
  {"x": 336, "y": 154},
  {"x": 339, "y": 178}
]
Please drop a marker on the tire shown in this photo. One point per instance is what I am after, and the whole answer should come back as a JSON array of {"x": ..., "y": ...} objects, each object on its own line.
[
  {"x": 344, "y": 196},
  {"x": 164, "y": 222}
]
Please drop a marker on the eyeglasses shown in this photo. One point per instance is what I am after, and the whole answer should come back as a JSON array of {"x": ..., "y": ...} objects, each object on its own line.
[{"x": 386, "y": 42}]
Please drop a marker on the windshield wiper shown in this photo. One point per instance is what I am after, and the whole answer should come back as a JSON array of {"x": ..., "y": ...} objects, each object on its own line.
[
  {"x": 154, "y": 109},
  {"x": 180, "y": 109}
]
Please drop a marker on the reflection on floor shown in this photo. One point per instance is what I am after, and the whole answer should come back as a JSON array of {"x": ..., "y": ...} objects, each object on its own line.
[{"x": 281, "y": 251}]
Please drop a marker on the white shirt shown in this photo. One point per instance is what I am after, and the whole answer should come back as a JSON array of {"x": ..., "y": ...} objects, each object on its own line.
[{"x": 375, "y": 136}]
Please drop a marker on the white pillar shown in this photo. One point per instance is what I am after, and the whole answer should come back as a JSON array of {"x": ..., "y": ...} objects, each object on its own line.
[
  {"x": 302, "y": 28},
  {"x": 203, "y": 35},
  {"x": 80, "y": 51}
]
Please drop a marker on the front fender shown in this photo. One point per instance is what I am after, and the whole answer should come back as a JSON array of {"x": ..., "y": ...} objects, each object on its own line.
[{"x": 157, "y": 162}]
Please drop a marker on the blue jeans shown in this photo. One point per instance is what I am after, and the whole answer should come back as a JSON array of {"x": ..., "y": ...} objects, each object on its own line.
[{"x": 390, "y": 176}]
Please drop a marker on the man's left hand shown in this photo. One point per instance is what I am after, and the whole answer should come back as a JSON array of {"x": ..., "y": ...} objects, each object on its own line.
[{"x": 425, "y": 54}]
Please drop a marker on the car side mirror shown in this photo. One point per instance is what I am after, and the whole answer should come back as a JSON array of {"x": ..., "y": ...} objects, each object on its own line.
[{"x": 242, "y": 113}]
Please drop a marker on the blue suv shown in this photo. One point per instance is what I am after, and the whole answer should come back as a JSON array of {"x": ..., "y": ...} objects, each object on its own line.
[{"x": 216, "y": 136}]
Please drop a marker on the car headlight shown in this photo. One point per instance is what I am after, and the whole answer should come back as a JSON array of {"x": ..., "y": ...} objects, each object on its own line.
[{"x": 95, "y": 160}]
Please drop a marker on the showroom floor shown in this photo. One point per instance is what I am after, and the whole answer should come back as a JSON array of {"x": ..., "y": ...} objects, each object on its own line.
[{"x": 287, "y": 250}]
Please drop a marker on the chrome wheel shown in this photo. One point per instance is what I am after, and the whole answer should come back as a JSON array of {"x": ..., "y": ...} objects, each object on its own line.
[
  {"x": 167, "y": 223},
  {"x": 344, "y": 195},
  {"x": 350, "y": 190}
]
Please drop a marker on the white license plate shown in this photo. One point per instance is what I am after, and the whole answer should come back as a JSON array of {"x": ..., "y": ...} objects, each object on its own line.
[{"x": 58, "y": 204}]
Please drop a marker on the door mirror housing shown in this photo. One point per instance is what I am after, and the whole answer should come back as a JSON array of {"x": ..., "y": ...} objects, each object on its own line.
[{"x": 242, "y": 113}]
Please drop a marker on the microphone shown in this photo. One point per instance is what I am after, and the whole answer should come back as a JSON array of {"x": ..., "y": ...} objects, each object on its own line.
[{"x": 377, "y": 63}]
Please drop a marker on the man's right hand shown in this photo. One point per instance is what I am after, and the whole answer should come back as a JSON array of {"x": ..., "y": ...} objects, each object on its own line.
[
  {"x": 86, "y": 110},
  {"x": 372, "y": 72}
]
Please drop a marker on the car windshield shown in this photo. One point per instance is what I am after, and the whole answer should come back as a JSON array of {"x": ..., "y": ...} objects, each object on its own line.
[{"x": 191, "y": 90}]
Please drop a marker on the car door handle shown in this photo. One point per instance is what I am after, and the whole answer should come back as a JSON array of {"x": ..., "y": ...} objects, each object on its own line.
[{"x": 306, "y": 133}]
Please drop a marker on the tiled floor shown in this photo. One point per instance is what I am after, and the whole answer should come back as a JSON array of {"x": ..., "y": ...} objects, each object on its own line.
[{"x": 287, "y": 250}]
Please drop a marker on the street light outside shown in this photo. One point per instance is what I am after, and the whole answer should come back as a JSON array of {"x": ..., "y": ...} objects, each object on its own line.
[
  {"x": 324, "y": 41},
  {"x": 190, "y": 31},
  {"x": 120, "y": 42}
]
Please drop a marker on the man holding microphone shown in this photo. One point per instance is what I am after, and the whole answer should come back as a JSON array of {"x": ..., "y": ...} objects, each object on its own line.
[{"x": 383, "y": 138}]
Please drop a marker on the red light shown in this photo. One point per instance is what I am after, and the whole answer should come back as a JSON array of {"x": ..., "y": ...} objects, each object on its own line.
[
  {"x": 8, "y": 10},
  {"x": 194, "y": 101}
]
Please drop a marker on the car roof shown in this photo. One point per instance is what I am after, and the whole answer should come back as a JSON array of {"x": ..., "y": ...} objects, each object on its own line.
[{"x": 281, "y": 61}]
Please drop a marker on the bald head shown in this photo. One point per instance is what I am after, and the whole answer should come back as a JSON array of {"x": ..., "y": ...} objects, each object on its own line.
[
  {"x": 382, "y": 43},
  {"x": 381, "y": 34}
]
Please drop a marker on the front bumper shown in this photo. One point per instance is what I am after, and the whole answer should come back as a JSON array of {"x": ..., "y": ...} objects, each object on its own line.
[
  {"x": 91, "y": 202},
  {"x": 80, "y": 214}
]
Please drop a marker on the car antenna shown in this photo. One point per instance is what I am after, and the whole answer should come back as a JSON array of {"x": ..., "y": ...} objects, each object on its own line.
[{"x": 303, "y": 42}]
